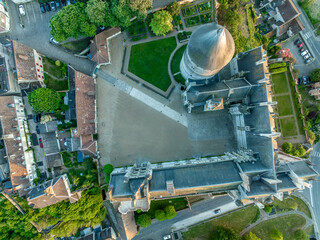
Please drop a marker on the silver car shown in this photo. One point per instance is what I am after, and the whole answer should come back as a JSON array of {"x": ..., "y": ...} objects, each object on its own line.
[
  {"x": 307, "y": 56},
  {"x": 304, "y": 53},
  {"x": 21, "y": 10}
]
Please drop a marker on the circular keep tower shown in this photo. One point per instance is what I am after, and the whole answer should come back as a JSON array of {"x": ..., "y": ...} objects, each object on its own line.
[{"x": 210, "y": 48}]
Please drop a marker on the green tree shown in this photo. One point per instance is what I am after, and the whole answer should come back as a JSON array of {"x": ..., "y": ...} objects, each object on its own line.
[
  {"x": 301, "y": 150},
  {"x": 223, "y": 233},
  {"x": 108, "y": 170},
  {"x": 287, "y": 147},
  {"x": 161, "y": 23},
  {"x": 141, "y": 5},
  {"x": 71, "y": 21},
  {"x": 312, "y": 136},
  {"x": 96, "y": 12},
  {"x": 315, "y": 75},
  {"x": 170, "y": 211},
  {"x": 144, "y": 220},
  {"x": 250, "y": 236},
  {"x": 174, "y": 8},
  {"x": 44, "y": 100},
  {"x": 224, "y": 4},
  {"x": 268, "y": 208},
  {"x": 160, "y": 215},
  {"x": 233, "y": 19},
  {"x": 301, "y": 235},
  {"x": 276, "y": 234}
]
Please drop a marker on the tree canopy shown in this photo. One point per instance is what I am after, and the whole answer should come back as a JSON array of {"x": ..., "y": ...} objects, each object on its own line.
[
  {"x": 161, "y": 23},
  {"x": 141, "y": 5},
  {"x": 44, "y": 100},
  {"x": 144, "y": 220},
  {"x": 160, "y": 215},
  {"x": 315, "y": 75},
  {"x": 225, "y": 234},
  {"x": 301, "y": 235},
  {"x": 250, "y": 236},
  {"x": 287, "y": 147},
  {"x": 71, "y": 21},
  {"x": 96, "y": 12},
  {"x": 276, "y": 234},
  {"x": 170, "y": 211}
]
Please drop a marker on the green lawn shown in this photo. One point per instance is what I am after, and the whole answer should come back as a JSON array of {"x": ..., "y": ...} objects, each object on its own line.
[
  {"x": 287, "y": 204},
  {"x": 288, "y": 127},
  {"x": 237, "y": 221},
  {"x": 302, "y": 207},
  {"x": 175, "y": 63},
  {"x": 286, "y": 224},
  {"x": 179, "y": 78},
  {"x": 77, "y": 46},
  {"x": 280, "y": 83},
  {"x": 310, "y": 230},
  {"x": 60, "y": 82},
  {"x": 149, "y": 61},
  {"x": 284, "y": 105}
]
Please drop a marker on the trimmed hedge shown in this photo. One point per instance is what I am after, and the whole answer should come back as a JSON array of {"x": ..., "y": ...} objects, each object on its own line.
[
  {"x": 278, "y": 70},
  {"x": 277, "y": 65}
]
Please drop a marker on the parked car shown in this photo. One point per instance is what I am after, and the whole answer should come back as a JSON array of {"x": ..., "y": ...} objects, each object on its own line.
[
  {"x": 58, "y": 3},
  {"x": 307, "y": 56},
  {"x": 21, "y": 10},
  {"x": 300, "y": 45},
  {"x": 43, "y": 10},
  {"x": 35, "y": 118},
  {"x": 304, "y": 53},
  {"x": 47, "y": 6},
  {"x": 166, "y": 237},
  {"x": 217, "y": 211},
  {"x": 307, "y": 61},
  {"x": 297, "y": 42},
  {"x": 37, "y": 129},
  {"x": 40, "y": 142},
  {"x": 53, "y": 6},
  {"x": 52, "y": 40},
  {"x": 39, "y": 117},
  {"x": 304, "y": 80},
  {"x": 302, "y": 49}
]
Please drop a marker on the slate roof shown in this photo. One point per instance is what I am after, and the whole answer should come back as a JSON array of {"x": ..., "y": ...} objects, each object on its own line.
[
  {"x": 288, "y": 10},
  {"x": 99, "y": 48},
  {"x": 50, "y": 143},
  {"x": 54, "y": 160},
  {"x": 73, "y": 144},
  {"x": 302, "y": 169},
  {"x": 48, "y": 127},
  {"x": 25, "y": 64},
  {"x": 85, "y": 103},
  {"x": 286, "y": 183}
]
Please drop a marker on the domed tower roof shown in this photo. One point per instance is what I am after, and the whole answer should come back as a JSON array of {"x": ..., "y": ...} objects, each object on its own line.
[{"x": 210, "y": 48}]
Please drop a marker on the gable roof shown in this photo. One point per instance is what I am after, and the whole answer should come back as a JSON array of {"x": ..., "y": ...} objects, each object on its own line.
[
  {"x": 99, "y": 48},
  {"x": 85, "y": 103},
  {"x": 288, "y": 10}
]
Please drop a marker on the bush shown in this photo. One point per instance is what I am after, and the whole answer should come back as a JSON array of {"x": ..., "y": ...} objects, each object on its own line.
[
  {"x": 223, "y": 233},
  {"x": 278, "y": 70},
  {"x": 301, "y": 235},
  {"x": 170, "y": 212},
  {"x": 144, "y": 220},
  {"x": 277, "y": 65},
  {"x": 287, "y": 147},
  {"x": 268, "y": 208},
  {"x": 58, "y": 63},
  {"x": 312, "y": 137},
  {"x": 250, "y": 236},
  {"x": 108, "y": 170},
  {"x": 160, "y": 215},
  {"x": 315, "y": 75},
  {"x": 276, "y": 234}
]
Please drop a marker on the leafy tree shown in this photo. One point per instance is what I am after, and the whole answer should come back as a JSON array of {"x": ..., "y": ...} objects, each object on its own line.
[
  {"x": 301, "y": 235},
  {"x": 287, "y": 147},
  {"x": 224, "y": 4},
  {"x": 276, "y": 234},
  {"x": 96, "y": 11},
  {"x": 315, "y": 75},
  {"x": 223, "y": 233},
  {"x": 174, "y": 8},
  {"x": 232, "y": 18},
  {"x": 268, "y": 208},
  {"x": 250, "y": 236},
  {"x": 312, "y": 136},
  {"x": 161, "y": 23},
  {"x": 141, "y": 5},
  {"x": 118, "y": 13},
  {"x": 160, "y": 215},
  {"x": 108, "y": 170},
  {"x": 170, "y": 211},
  {"x": 144, "y": 220},
  {"x": 44, "y": 100},
  {"x": 71, "y": 21}
]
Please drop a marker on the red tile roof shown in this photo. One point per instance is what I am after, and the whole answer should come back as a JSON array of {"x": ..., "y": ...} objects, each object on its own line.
[{"x": 85, "y": 104}]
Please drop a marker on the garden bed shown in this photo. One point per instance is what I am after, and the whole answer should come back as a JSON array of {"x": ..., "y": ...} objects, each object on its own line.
[
  {"x": 206, "y": 18},
  {"x": 184, "y": 35},
  {"x": 137, "y": 30},
  {"x": 193, "y": 21},
  {"x": 148, "y": 21},
  {"x": 56, "y": 77},
  {"x": 189, "y": 11},
  {"x": 203, "y": 7}
]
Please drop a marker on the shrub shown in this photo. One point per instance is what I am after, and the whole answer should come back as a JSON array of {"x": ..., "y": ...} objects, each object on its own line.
[
  {"x": 277, "y": 65},
  {"x": 226, "y": 234},
  {"x": 170, "y": 212},
  {"x": 276, "y": 234},
  {"x": 312, "y": 136},
  {"x": 301, "y": 235},
  {"x": 108, "y": 170},
  {"x": 144, "y": 220},
  {"x": 278, "y": 70},
  {"x": 315, "y": 75},
  {"x": 287, "y": 147},
  {"x": 58, "y": 63},
  {"x": 268, "y": 208},
  {"x": 250, "y": 236},
  {"x": 160, "y": 215}
]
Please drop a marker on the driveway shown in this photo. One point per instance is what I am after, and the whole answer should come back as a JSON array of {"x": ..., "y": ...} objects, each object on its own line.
[{"x": 36, "y": 34}]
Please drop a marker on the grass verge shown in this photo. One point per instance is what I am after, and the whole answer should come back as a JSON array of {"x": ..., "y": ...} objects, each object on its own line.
[
  {"x": 280, "y": 83},
  {"x": 175, "y": 63},
  {"x": 288, "y": 127},
  {"x": 284, "y": 105}
]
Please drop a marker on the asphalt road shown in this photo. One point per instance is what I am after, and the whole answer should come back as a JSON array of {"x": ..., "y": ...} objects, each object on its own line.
[
  {"x": 159, "y": 229},
  {"x": 36, "y": 34}
]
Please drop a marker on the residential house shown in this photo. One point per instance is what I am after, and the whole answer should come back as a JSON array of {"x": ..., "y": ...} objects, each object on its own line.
[
  {"x": 99, "y": 48},
  {"x": 283, "y": 16},
  {"x": 16, "y": 138},
  {"x": 28, "y": 64},
  {"x": 86, "y": 113},
  {"x": 315, "y": 91},
  {"x": 51, "y": 192}
]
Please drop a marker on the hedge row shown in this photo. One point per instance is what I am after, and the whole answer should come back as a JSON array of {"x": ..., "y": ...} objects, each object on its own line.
[
  {"x": 277, "y": 65},
  {"x": 278, "y": 70}
]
